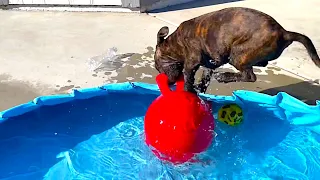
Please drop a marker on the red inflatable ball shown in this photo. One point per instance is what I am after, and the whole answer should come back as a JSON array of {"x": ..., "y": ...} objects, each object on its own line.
[{"x": 178, "y": 124}]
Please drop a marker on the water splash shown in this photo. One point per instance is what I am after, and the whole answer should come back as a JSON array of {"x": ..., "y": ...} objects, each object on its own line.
[{"x": 105, "y": 60}]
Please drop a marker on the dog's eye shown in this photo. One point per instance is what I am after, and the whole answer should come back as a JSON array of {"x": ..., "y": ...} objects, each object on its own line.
[{"x": 211, "y": 61}]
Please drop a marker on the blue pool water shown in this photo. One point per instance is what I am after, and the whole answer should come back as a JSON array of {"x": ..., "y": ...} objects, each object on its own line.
[{"x": 102, "y": 138}]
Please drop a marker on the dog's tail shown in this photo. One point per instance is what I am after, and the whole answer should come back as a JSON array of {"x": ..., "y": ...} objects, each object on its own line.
[{"x": 293, "y": 36}]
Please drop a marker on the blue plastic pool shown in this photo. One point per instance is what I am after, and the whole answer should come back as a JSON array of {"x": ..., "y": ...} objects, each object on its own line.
[{"x": 97, "y": 133}]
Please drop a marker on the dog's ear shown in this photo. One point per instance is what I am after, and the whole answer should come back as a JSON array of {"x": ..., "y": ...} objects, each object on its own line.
[{"x": 163, "y": 32}]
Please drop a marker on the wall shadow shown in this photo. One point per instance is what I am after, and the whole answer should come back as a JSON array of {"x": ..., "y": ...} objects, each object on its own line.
[
  {"x": 192, "y": 4},
  {"x": 30, "y": 142},
  {"x": 303, "y": 91}
]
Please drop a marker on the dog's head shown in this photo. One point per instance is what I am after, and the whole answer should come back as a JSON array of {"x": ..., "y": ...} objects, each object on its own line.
[
  {"x": 167, "y": 57},
  {"x": 160, "y": 52}
]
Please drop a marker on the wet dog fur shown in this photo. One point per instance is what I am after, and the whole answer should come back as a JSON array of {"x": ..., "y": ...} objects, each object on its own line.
[{"x": 242, "y": 37}]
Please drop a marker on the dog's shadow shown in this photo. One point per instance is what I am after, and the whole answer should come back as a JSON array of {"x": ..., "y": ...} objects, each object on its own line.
[{"x": 303, "y": 91}]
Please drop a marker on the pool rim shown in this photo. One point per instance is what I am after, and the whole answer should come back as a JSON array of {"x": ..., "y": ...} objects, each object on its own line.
[{"x": 146, "y": 88}]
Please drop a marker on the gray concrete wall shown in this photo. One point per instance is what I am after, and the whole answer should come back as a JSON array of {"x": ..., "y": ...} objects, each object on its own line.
[
  {"x": 131, "y": 3},
  {"x": 148, "y": 5},
  {"x": 124, "y": 3},
  {"x": 4, "y": 2},
  {"x": 144, "y": 5}
]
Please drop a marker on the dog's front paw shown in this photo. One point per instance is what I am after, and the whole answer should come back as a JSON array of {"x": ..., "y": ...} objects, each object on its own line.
[
  {"x": 219, "y": 76},
  {"x": 200, "y": 88},
  {"x": 226, "y": 77}
]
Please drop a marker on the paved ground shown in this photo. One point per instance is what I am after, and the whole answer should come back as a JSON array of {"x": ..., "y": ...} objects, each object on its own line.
[{"x": 46, "y": 52}]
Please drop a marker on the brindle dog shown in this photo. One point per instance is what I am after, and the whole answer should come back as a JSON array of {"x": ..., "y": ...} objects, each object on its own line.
[{"x": 240, "y": 36}]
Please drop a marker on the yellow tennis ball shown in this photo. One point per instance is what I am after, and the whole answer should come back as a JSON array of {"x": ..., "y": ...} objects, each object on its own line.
[{"x": 230, "y": 114}]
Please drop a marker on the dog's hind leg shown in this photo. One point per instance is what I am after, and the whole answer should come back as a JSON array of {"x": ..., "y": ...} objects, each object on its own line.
[
  {"x": 262, "y": 64},
  {"x": 251, "y": 53},
  {"x": 245, "y": 75}
]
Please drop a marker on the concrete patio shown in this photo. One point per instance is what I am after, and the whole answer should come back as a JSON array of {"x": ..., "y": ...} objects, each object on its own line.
[{"x": 45, "y": 53}]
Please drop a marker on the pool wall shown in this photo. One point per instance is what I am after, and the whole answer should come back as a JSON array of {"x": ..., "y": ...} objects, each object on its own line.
[{"x": 282, "y": 105}]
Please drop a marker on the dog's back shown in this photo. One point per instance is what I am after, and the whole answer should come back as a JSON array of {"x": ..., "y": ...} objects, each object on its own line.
[{"x": 218, "y": 31}]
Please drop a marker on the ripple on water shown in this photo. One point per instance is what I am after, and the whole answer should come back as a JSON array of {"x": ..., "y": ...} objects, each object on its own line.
[{"x": 120, "y": 153}]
